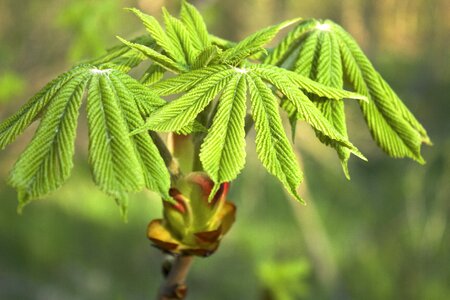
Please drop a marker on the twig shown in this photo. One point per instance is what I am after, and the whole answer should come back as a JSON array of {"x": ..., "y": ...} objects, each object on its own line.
[{"x": 174, "y": 287}]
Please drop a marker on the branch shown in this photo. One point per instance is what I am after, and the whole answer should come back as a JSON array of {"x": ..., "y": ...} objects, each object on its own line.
[{"x": 174, "y": 287}]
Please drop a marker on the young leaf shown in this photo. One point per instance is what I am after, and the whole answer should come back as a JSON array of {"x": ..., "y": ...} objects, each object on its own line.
[
  {"x": 272, "y": 145},
  {"x": 157, "y": 57},
  {"x": 205, "y": 57},
  {"x": 46, "y": 163},
  {"x": 153, "y": 74},
  {"x": 115, "y": 166},
  {"x": 17, "y": 123},
  {"x": 307, "y": 55},
  {"x": 383, "y": 114},
  {"x": 289, "y": 44},
  {"x": 223, "y": 150},
  {"x": 186, "y": 81},
  {"x": 254, "y": 43},
  {"x": 306, "y": 110},
  {"x": 180, "y": 38},
  {"x": 195, "y": 25},
  {"x": 181, "y": 112},
  {"x": 156, "y": 175},
  {"x": 328, "y": 71},
  {"x": 305, "y": 83},
  {"x": 122, "y": 57},
  {"x": 161, "y": 38}
]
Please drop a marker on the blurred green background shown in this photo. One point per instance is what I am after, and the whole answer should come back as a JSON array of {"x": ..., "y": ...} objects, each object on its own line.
[{"x": 382, "y": 235}]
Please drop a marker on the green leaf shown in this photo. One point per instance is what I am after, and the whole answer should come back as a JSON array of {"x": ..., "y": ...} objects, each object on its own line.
[
  {"x": 305, "y": 83},
  {"x": 223, "y": 150},
  {"x": 329, "y": 72},
  {"x": 180, "y": 38},
  {"x": 124, "y": 58},
  {"x": 157, "y": 32},
  {"x": 196, "y": 26},
  {"x": 306, "y": 109},
  {"x": 272, "y": 145},
  {"x": 17, "y": 123},
  {"x": 306, "y": 60},
  {"x": 205, "y": 57},
  {"x": 156, "y": 175},
  {"x": 182, "y": 111},
  {"x": 385, "y": 117},
  {"x": 290, "y": 43},
  {"x": 157, "y": 57},
  {"x": 115, "y": 167},
  {"x": 253, "y": 43},
  {"x": 46, "y": 163},
  {"x": 153, "y": 74},
  {"x": 186, "y": 81}
]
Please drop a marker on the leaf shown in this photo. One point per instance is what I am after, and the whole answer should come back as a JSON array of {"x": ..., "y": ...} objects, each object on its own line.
[
  {"x": 156, "y": 175},
  {"x": 383, "y": 114},
  {"x": 122, "y": 57},
  {"x": 46, "y": 163},
  {"x": 223, "y": 150},
  {"x": 329, "y": 72},
  {"x": 182, "y": 111},
  {"x": 153, "y": 74},
  {"x": 305, "y": 83},
  {"x": 205, "y": 57},
  {"x": 157, "y": 57},
  {"x": 115, "y": 167},
  {"x": 180, "y": 38},
  {"x": 272, "y": 145},
  {"x": 306, "y": 110},
  {"x": 157, "y": 32},
  {"x": 254, "y": 43},
  {"x": 289, "y": 44},
  {"x": 17, "y": 123},
  {"x": 184, "y": 82},
  {"x": 195, "y": 25},
  {"x": 307, "y": 55}
]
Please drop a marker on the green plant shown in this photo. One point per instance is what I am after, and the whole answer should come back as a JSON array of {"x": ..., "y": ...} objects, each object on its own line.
[{"x": 221, "y": 90}]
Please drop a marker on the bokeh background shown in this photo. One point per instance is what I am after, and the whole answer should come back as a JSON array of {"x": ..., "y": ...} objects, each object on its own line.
[{"x": 382, "y": 235}]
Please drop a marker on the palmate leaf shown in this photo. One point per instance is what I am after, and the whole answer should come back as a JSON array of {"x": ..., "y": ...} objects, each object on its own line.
[
  {"x": 116, "y": 105},
  {"x": 272, "y": 145},
  {"x": 223, "y": 150},
  {"x": 178, "y": 114},
  {"x": 17, "y": 123},
  {"x": 391, "y": 124},
  {"x": 304, "y": 107},
  {"x": 156, "y": 175},
  {"x": 47, "y": 161},
  {"x": 323, "y": 64}
]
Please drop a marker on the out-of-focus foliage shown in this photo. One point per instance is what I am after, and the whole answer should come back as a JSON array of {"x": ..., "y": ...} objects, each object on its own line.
[
  {"x": 88, "y": 21},
  {"x": 11, "y": 85},
  {"x": 387, "y": 229}
]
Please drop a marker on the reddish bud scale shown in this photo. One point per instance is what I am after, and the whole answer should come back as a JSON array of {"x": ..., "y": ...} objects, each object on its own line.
[{"x": 198, "y": 232}]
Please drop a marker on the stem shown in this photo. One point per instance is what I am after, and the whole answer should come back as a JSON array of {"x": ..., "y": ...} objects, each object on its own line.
[{"x": 174, "y": 287}]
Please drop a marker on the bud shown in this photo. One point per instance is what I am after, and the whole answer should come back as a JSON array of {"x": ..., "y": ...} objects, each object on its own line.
[{"x": 192, "y": 225}]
